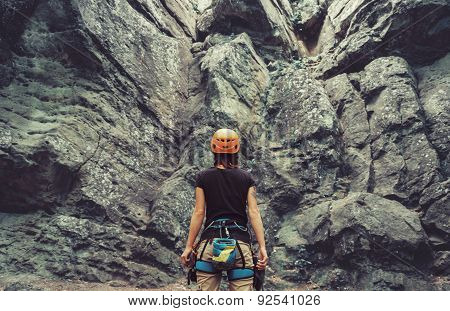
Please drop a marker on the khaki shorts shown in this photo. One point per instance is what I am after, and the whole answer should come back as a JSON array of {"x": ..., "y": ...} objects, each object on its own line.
[{"x": 209, "y": 281}]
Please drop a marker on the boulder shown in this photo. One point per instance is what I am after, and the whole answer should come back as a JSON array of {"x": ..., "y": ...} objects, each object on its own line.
[{"x": 359, "y": 235}]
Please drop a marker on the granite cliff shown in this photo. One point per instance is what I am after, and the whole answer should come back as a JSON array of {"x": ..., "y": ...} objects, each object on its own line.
[{"x": 107, "y": 107}]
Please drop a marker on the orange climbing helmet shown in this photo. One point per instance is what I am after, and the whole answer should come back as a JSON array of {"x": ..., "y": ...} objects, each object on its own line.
[{"x": 225, "y": 141}]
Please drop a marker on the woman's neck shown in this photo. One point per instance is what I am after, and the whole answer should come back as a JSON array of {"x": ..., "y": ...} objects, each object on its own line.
[{"x": 220, "y": 166}]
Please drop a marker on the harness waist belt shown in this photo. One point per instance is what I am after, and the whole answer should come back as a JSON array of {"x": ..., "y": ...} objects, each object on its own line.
[
  {"x": 205, "y": 266},
  {"x": 239, "y": 273}
]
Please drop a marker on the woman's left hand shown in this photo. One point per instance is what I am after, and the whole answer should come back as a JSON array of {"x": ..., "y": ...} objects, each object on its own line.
[
  {"x": 263, "y": 259},
  {"x": 185, "y": 256}
]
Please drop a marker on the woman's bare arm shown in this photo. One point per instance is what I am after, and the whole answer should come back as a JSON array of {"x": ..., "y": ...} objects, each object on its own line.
[
  {"x": 196, "y": 223},
  {"x": 256, "y": 221},
  {"x": 197, "y": 216}
]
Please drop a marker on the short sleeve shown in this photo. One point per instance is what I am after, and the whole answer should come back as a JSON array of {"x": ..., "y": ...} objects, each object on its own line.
[
  {"x": 251, "y": 181},
  {"x": 198, "y": 180}
]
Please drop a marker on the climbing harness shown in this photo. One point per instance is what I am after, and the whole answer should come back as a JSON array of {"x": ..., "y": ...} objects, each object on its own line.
[
  {"x": 222, "y": 224},
  {"x": 224, "y": 253},
  {"x": 224, "y": 256}
]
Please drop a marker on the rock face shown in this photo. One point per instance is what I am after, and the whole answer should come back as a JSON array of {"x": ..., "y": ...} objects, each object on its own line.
[
  {"x": 358, "y": 236},
  {"x": 266, "y": 21},
  {"x": 397, "y": 164},
  {"x": 86, "y": 133},
  {"x": 107, "y": 107},
  {"x": 364, "y": 30}
]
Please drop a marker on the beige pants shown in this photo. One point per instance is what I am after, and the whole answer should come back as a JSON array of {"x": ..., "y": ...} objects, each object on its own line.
[{"x": 208, "y": 281}]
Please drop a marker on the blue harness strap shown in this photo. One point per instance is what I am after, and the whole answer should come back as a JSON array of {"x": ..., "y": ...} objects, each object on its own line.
[
  {"x": 239, "y": 273},
  {"x": 205, "y": 266}
]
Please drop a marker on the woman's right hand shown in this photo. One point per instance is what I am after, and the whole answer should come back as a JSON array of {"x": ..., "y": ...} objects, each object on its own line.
[
  {"x": 185, "y": 257},
  {"x": 263, "y": 259}
]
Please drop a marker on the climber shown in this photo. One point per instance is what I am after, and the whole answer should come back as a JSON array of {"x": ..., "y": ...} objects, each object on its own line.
[{"x": 221, "y": 194}]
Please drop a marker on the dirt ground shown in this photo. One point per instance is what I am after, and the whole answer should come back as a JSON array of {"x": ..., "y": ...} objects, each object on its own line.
[
  {"x": 27, "y": 282},
  {"x": 30, "y": 282},
  {"x": 35, "y": 283}
]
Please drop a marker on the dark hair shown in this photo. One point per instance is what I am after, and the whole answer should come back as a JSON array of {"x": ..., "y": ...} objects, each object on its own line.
[{"x": 228, "y": 160}]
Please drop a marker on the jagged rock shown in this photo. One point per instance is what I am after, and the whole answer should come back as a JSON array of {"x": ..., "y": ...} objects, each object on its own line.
[
  {"x": 202, "y": 5},
  {"x": 380, "y": 280},
  {"x": 441, "y": 264},
  {"x": 350, "y": 108},
  {"x": 370, "y": 212},
  {"x": 296, "y": 140},
  {"x": 404, "y": 162},
  {"x": 170, "y": 211},
  {"x": 335, "y": 278},
  {"x": 435, "y": 201},
  {"x": 184, "y": 15},
  {"x": 360, "y": 230},
  {"x": 69, "y": 247},
  {"x": 387, "y": 280},
  {"x": 237, "y": 77},
  {"x": 434, "y": 91},
  {"x": 366, "y": 214},
  {"x": 232, "y": 93},
  {"x": 264, "y": 20},
  {"x": 136, "y": 47},
  {"x": 313, "y": 27},
  {"x": 58, "y": 146},
  {"x": 12, "y": 20},
  {"x": 308, "y": 16},
  {"x": 366, "y": 29},
  {"x": 173, "y": 17},
  {"x": 388, "y": 150}
]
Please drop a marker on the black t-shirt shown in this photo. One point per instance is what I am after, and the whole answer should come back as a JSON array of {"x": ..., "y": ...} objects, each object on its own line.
[{"x": 225, "y": 193}]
